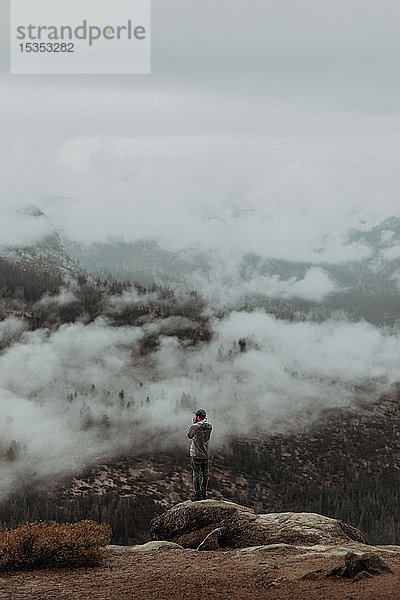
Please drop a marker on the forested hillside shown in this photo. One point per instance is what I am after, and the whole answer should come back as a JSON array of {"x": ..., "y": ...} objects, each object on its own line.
[
  {"x": 347, "y": 466},
  {"x": 345, "y": 463}
]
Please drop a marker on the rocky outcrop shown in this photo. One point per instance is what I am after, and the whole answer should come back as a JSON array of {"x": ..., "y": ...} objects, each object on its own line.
[
  {"x": 157, "y": 545},
  {"x": 190, "y": 523},
  {"x": 211, "y": 542},
  {"x": 355, "y": 567}
]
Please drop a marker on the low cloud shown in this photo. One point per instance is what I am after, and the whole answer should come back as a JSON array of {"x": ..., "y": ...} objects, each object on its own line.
[
  {"x": 18, "y": 227},
  {"x": 224, "y": 194},
  {"x": 225, "y": 287},
  {"x": 391, "y": 253},
  {"x": 128, "y": 299},
  {"x": 62, "y": 403},
  {"x": 316, "y": 285},
  {"x": 65, "y": 296},
  {"x": 11, "y": 330}
]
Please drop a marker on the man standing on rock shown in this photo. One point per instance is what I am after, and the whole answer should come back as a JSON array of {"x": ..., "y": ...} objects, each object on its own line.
[{"x": 199, "y": 433}]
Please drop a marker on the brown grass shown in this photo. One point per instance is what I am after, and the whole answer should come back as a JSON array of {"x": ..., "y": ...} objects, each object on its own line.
[{"x": 40, "y": 544}]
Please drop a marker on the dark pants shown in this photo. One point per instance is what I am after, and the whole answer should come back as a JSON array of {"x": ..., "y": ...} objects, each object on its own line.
[{"x": 200, "y": 476}]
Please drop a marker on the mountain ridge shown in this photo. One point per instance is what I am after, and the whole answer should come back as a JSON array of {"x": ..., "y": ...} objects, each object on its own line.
[{"x": 46, "y": 254}]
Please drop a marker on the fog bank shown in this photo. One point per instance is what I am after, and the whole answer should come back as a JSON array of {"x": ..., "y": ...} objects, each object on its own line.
[{"x": 86, "y": 391}]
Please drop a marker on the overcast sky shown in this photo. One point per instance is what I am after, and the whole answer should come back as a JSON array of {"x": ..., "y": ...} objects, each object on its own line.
[{"x": 270, "y": 126}]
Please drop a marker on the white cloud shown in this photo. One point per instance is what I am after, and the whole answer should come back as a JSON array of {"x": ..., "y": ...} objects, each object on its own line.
[
  {"x": 391, "y": 253},
  {"x": 225, "y": 287},
  {"x": 316, "y": 285},
  {"x": 288, "y": 371},
  {"x": 65, "y": 296},
  {"x": 226, "y": 194},
  {"x": 10, "y": 330},
  {"x": 18, "y": 228}
]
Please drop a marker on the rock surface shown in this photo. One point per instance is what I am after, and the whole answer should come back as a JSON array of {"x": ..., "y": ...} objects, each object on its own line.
[
  {"x": 211, "y": 542},
  {"x": 355, "y": 567},
  {"x": 148, "y": 547},
  {"x": 162, "y": 570},
  {"x": 189, "y": 524},
  {"x": 354, "y": 564}
]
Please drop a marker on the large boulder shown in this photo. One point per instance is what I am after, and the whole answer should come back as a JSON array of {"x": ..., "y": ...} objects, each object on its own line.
[{"x": 189, "y": 523}]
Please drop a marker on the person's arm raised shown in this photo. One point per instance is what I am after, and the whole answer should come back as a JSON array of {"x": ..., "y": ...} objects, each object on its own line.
[{"x": 192, "y": 430}]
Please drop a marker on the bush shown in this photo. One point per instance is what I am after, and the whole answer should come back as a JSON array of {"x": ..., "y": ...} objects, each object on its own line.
[{"x": 41, "y": 544}]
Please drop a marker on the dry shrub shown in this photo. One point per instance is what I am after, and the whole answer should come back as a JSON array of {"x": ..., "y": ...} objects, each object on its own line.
[{"x": 42, "y": 544}]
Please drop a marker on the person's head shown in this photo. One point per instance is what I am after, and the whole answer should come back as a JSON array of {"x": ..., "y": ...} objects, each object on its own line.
[{"x": 200, "y": 414}]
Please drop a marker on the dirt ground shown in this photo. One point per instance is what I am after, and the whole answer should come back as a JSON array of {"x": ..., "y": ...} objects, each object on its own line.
[{"x": 192, "y": 575}]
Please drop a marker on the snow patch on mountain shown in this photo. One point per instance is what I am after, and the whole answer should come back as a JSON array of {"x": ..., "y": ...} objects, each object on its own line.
[{"x": 46, "y": 253}]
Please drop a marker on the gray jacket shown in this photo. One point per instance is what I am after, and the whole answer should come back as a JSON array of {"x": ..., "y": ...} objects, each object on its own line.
[{"x": 199, "y": 433}]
